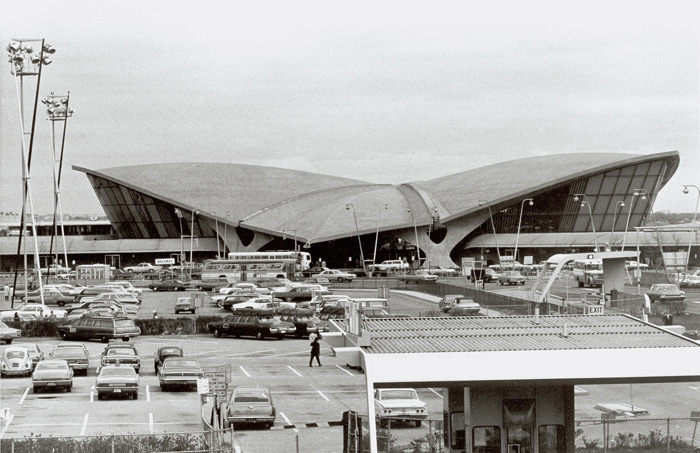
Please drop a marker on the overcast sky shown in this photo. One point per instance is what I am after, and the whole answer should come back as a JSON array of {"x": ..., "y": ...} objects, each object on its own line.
[{"x": 386, "y": 92}]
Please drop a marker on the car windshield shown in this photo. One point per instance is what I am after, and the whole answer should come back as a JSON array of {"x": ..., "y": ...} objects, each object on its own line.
[
  {"x": 171, "y": 351},
  {"x": 399, "y": 395},
  {"x": 121, "y": 351},
  {"x": 118, "y": 371},
  {"x": 249, "y": 397},
  {"x": 180, "y": 364},
  {"x": 14, "y": 354},
  {"x": 51, "y": 366}
]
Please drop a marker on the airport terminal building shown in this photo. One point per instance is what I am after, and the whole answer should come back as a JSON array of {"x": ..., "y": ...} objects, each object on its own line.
[{"x": 531, "y": 207}]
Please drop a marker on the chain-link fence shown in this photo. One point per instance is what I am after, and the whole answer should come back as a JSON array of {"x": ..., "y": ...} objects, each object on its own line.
[
  {"x": 648, "y": 435},
  {"x": 393, "y": 436}
]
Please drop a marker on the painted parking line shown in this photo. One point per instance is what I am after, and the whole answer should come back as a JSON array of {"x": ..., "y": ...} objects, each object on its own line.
[
  {"x": 341, "y": 368},
  {"x": 244, "y": 371},
  {"x": 150, "y": 423},
  {"x": 247, "y": 353},
  {"x": 322, "y": 395},
  {"x": 85, "y": 423},
  {"x": 24, "y": 395},
  {"x": 287, "y": 421},
  {"x": 295, "y": 371},
  {"x": 148, "y": 393},
  {"x": 7, "y": 424}
]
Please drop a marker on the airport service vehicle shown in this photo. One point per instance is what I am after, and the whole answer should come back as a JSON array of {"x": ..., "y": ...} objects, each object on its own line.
[
  {"x": 38, "y": 310},
  {"x": 588, "y": 272},
  {"x": 251, "y": 405},
  {"x": 399, "y": 404},
  {"x": 511, "y": 278},
  {"x": 256, "y": 266},
  {"x": 117, "y": 380},
  {"x": 334, "y": 275},
  {"x": 15, "y": 361},
  {"x": 52, "y": 374},
  {"x": 7, "y": 334},
  {"x": 179, "y": 372},
  {"x": 142, "y": 268}
]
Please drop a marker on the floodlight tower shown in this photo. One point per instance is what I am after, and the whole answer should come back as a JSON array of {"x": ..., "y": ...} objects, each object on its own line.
[
  {"x": 24, "y": 62},
  {"x": 58, "y": 110}
]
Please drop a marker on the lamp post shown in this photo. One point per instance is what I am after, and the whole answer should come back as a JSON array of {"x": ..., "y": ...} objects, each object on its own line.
[
  {"x": 57, "y": 108},
  {"x": 636, "y": 193},
  {"x": 218, "y": 247},
  {"x": 284, "y": 236},
  {"x": 376, "y": 238},
  {"x": 620, "y": 203},
  {"x": 690, "y": 244},
  {"x": 584, "y": 201},
  {"x": 178, "y": 213},
  {"x": 517, "y": 236},
  {"x": 228, "y": 213},
  {"x": 357, "y": 229},
  {"x": 25, "y": 62},
  {"x": 493, "y": 227},
  {"x": 194, "y": 212},
  {"x": 415, "y": 229}
]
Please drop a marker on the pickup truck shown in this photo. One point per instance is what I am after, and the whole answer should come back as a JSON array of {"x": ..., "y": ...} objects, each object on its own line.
[{"x": 143, "y": 267}]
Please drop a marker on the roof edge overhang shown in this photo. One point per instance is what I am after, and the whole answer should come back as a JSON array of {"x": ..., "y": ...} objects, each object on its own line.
[{"x": 672, "y": 159}]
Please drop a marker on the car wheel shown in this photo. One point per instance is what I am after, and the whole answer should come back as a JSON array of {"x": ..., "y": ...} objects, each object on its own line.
[
  {"x": 280, "y": 337},
  {"x": 177, "y": 312},
  {"x": 155, "y": 368},
  {"x": 69, "y": 388},
  {"x": 298, "y": 335},
  {"x": 269, "y": 425},
  {"x": 100, "y": 396},
  {"x": 104, "y": 339},
  {"x": 61, "y": 304},
  {"x": 63, "y": 334},
  {"x": 163, "y": 388},
  {"x": 217, "y": 333},
  {"x": 200, "y": 287},
  {"x": 418, "y": 423},
  {"x": 237, "y": 335},
  {"x": 8, "y": 341},
  {"x": 35, "y": 390},
  {"x": 193, "y": 310},
  {"x": 259, "y": 336}
]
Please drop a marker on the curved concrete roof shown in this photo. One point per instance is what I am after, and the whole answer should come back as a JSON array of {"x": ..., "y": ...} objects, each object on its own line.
[{"x": 274, "y": 199}]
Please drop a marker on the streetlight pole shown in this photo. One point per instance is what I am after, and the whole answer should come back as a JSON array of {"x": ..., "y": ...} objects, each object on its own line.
[
  {"x": 415, "y": 229},
  {"x": 517, "y": 236},
  {"x": 636, "y": 193},
  {"x": 584, "y": 200},
  {"x": 620, "y": 203},
  {"x": 376, "y": 238},
  {"x": 194, "y": 212},
  {"x": 178, "y": 213},
  {"x": 357, "y": 229},
  {"x": 493, "y": 227},
  {"x": 690, "y": 244}
]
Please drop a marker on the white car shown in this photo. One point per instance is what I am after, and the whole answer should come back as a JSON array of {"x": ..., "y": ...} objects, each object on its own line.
[
  {"x": 336, "y": 276},
  {"x": 399, "y": 404},
  {"x": 391, "y": 265},
  {"x": 256, "y": 303},
  {"x": 142, "y": 267},
  {"x": 126, "y": 286},
  {"x": 38, "y": 310}
]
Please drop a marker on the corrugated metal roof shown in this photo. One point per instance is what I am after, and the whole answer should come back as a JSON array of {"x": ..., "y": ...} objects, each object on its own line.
[{"x": 515, "y": 333}]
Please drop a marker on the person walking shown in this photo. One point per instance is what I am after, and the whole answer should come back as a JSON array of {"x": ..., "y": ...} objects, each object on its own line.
[{"x": 315, "y": 349}]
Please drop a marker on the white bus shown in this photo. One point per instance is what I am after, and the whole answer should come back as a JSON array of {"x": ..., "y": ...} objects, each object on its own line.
[
  {"x": 588, "y": 272},
  {"x": 255, "y": 266}
]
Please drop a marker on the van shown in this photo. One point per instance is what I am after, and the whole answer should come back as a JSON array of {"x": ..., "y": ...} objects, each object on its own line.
[{"x": 102, "y": 328}]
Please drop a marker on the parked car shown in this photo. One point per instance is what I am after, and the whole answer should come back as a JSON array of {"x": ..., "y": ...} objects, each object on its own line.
[
  {"x": 419, "y": 276},
  {"x": 123, "y": 356},
  {"x": 391, "y": 265},
  {"x": 255, "y": 303},
  {"x": 52, "y": 374},
  {"x": 443, "y": 271},
  {"x": 7, "y": 333},
  {"x": 446, "y": 302},
  {"x": 227, "y": 302},
  {"x": 117, "y": 380},
  {"x": 35, "y": 352},
  {"x": 319, "y": 281},
  {"x": 15, "y": 361},
  {"x": 40, "y": 311},
  {"x": 298, "y": 293},
  {"x": 127, "y": 301},
  {"x": 665, "y": 292},
  {"x": 334, "y": 275},
  {"x": 463, "y": 306},
  {"x": 258, "y": 325},
  {"x": 51, "y": 296},
  {"x": 399, "y": 404},
  {"x": 143, "y": 267},
  {"x": 186, "y": 303},
  {"x": 511, "y": 278},
  {"x": 327, "y": 314},
  {"x": 179, "y": 372},
  {"x": 168, "y": 285},
  {"x": 76, "y": 356},
  {"x": 99, "y": 327},
  {"x": 165, "y": 352},
  {"x": 210, "y": 284},
  {"x": 98, "y": 310},
  {"x": 302, "y": 319},
  {"x": 250, "y": 405},
  {"x": 487, "y": 275}
]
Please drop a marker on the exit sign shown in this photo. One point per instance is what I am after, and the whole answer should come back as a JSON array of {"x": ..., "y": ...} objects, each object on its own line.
[{"x": 595, "y": 310}]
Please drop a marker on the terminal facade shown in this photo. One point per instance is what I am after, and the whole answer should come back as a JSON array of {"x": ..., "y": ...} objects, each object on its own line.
[{"x": 527, "y": 209}]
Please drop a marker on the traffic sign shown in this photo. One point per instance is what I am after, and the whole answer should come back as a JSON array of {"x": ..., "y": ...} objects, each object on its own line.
[
  {"x": 217, "y": 383},
  {"x": 595, "y": 310}
]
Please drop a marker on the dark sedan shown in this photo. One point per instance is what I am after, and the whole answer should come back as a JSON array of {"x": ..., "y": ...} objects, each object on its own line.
[
  {"x": 165, "y": 352},
  {"x": 257, "y": 325},
  {"x": 179, "y": 372}
]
